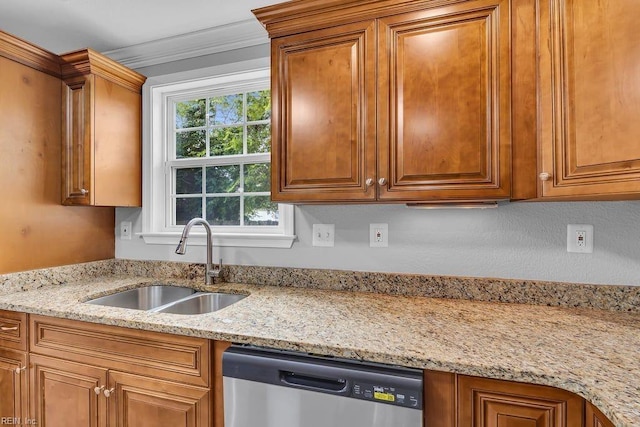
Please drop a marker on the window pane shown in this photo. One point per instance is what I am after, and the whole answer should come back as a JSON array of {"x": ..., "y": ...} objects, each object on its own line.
[
  {"x": 258, "y": 105},
  {"x": 187, "y": 208},
  {"x": 189, "y": 181},
  {"x": 258, "y": 139},
  {"x": 223, "y": 179},
  {"x": 260, "y": 210},
  {"x": 225, "y": 110},
  {"x": 223, "y": 210},
  {"x": 190, "y": 114},
  {"x": 226, "y": 141},
  {"x": 257, "y": 177},
  {"x": 191, "y": 144}
]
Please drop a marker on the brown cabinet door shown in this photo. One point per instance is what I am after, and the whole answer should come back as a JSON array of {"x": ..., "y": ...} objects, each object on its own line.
[
  {"x": 13, "y": 385},
  {"x": 137, "y": 401},
  {"x": 64, "y": 393},
  {"x": 444, "y": 103},
  {"x": 595, "y": 418},
  {"x": 77, "y": 152},
  {"x": 485, "y": 402},
  {"x": 589, "y": 99},
  {"x": 323, "y": 103}
]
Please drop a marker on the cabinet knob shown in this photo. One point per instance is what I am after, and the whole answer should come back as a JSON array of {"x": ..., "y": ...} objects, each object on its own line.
[
  {"x": 6, "y": 328},
  {"x": 382, "y": 181},
  {"x": 20, "y": 370},
  {"x": 98, "y": 390},
  {"x": 544, "y": 176},
  {"x": 84, "y": 192},
  {"x": 108, "y": 392},
  {"x": 369, "y": 182}
]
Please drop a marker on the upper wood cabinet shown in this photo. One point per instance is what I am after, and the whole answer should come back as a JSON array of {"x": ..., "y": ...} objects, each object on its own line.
[
  {"x": 323, "y": 115},
  {"x": 444, "y": 103},
  {"x": 101, "y": 131},
  {"x": 590, "y": 102},
  {"x": 409, "y": 103}
]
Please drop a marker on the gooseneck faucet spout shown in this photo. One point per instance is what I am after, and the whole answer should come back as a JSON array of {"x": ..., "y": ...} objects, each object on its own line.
[{"x": 210, "y": 271}]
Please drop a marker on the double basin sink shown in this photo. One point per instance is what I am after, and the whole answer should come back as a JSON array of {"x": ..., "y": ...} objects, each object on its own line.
[{"x": 169, "y": 299}]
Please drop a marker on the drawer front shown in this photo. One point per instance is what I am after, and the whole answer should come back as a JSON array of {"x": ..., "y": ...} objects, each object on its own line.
[
  {"x": 13, "y": 330},
  {"x": 152, "y": 354}
]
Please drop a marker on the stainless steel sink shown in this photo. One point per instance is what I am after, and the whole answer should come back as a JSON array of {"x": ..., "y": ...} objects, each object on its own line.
[
  {"x": 202, "y": 303},
  {"x": 145, "y": 298},
  {"x": 169, "y": 299}
]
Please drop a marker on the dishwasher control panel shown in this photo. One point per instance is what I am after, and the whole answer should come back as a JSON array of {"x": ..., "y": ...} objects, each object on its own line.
[{"x": 381, "y": 393}]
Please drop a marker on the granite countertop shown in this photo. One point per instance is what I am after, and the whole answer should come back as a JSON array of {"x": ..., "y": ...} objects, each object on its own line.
[{"x": 594, "y": 353}]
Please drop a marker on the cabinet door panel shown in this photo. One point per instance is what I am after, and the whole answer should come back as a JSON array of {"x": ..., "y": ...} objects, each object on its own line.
[
  {"x": 77, "y": 125},
  {"x": 590, "y": 105},
  {"x": 63, "y": 393},
  {"x": 595, "y": 418},
  {"x": 13, "y": 384},
  {"x": 143, "y": 402},
  {"x": 444, "y": 102},
  {"x": 484, "y": 402},
  {"x": 323, "y": 94}
]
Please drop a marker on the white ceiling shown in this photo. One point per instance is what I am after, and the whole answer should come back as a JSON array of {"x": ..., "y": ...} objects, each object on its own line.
[{"x": 65, "y": 25}]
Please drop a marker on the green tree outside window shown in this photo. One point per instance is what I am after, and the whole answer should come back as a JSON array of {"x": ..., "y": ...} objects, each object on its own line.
[{"x": 217, "y": 127}]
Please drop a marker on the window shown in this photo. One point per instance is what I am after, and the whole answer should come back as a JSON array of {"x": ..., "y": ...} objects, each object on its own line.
[{"x": 207, "y": 148}]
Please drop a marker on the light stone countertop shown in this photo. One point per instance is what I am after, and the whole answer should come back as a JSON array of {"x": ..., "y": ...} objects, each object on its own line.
[{"x": 594, "y": 353}]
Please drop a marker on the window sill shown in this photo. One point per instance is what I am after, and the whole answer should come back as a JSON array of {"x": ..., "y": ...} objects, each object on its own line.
[{"x": 223, "y": 239}]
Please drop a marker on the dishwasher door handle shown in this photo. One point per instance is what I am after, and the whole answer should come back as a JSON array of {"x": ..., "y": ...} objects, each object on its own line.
[{"x": 309, "y": 382}]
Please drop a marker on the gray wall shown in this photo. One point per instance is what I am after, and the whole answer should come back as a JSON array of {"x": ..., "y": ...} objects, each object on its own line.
[{"x": 517, "y": 240}]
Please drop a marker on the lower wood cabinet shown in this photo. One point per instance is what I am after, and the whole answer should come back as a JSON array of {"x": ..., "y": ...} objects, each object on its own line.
[
  {"x": 484, "y": 402},
  {"x": 66, "y": 393},
  {"x": 13, "y": 385},
  {"x": 595, "y": 418},
  {"x": 80, "y": 395},
  {"x": 145, "y": 402},
  {"x": 87, "y": 375},
  {"x": 452, "y": 400}
]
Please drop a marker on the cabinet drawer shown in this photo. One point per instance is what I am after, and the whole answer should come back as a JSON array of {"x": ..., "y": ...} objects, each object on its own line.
[
  {"x": 153, "y": 354},
  {"x": 13, "y": 330}
]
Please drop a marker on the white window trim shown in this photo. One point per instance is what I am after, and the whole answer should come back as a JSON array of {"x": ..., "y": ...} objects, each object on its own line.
[{"x": 155, "y": 92}]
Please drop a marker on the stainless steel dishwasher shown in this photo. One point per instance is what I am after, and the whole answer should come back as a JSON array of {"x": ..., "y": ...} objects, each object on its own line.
[{"x": 270, "y": 388}]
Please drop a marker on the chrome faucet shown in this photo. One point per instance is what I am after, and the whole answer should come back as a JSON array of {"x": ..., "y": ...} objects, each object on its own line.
[{"x": 210, "y": 271}]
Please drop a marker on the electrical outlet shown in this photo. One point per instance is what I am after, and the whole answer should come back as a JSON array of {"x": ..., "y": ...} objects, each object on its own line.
[
  {"x": 323, "y": 234},
  {"x": 580, "y": 238},
  {"x": 378, "y": 235},
  {"x": 125, "y": 230}
]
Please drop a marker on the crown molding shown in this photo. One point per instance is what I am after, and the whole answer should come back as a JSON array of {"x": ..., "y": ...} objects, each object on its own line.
[
  {"x": 16, "y": 49},
  {"x": 204, "y": 42},
  {"x": 88, "y": 61}
]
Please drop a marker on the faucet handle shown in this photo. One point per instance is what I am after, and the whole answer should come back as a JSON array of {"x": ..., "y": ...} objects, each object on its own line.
[{"x": 216, "y": 271}]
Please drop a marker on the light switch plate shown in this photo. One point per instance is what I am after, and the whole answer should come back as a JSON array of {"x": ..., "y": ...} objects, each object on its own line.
[{"x": 323, "y": 234}]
